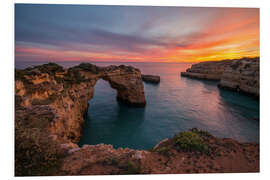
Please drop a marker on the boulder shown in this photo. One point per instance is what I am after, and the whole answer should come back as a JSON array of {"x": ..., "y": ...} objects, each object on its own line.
[{"x": 151, "y": 79}]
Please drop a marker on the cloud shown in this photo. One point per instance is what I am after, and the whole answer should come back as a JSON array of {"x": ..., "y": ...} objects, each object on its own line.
[{"x": 146, "y": 33}]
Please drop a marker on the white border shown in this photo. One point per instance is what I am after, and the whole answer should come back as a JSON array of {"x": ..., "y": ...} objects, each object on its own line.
[
  {"x": 7, "y": 72},
  {"x": 203, "y": 3}
]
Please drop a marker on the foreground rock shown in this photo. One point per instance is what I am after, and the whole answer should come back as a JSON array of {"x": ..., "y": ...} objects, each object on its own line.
[
  {"x": 151, "y": 79},
  {"x": 241, "y": 75},
  {"x": 49, "y": 106},
  {"x": 202, "y": 153}
]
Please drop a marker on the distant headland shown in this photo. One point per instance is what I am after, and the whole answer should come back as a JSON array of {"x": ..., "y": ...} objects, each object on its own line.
[{"x": 240, "y": 75}]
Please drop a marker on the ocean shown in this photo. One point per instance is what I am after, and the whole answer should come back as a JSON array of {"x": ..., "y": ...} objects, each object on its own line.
[{"x": 176, "y": 104}]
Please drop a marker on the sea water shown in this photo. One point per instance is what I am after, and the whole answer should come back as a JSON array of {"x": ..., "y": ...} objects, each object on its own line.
[{"x": 176, "y": 104}]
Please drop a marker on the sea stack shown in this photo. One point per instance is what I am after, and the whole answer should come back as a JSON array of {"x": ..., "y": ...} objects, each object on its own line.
[{"x": 151, "y": 79}]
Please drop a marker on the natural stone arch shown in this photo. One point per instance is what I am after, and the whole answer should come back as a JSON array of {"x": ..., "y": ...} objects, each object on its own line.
[{"x": 68, "y": 91}]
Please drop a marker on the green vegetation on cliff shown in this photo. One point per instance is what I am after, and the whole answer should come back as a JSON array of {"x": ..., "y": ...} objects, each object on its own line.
[
  {"x": 35, "y": 151},
  {"x": 190, "y": 141}
]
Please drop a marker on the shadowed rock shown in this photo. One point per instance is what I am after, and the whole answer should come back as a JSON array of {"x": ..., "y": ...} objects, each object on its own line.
[
  {"x": 151, "y": 79},
  {"x": 242, "y": 76}
]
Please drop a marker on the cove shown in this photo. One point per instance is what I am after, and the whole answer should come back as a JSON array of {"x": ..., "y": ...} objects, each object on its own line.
[{"x": 176, "y": 104}]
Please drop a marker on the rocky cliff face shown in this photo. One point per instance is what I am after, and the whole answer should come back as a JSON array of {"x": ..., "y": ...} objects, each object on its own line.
[
  {"x": 243, "y": 76},
  {"x": 239, "y": 75},
  {"x": 66, "y": 92},
  {"x": 211, "y": 70},
  {"x": 49, "y": 106}
]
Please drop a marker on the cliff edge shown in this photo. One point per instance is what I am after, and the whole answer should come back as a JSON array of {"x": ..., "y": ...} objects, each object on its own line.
[
  {"x": 50, "y": 102},
  {"x": 240, "y": 75}
]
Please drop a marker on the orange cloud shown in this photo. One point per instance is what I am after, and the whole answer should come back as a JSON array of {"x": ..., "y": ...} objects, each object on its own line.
[{"x": 232, "y": 33}]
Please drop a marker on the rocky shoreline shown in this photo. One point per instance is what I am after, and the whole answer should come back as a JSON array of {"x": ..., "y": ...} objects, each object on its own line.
[
  {"x": 151, "y": 79},
  {"x": 241, "y": 75},
  {"x": 50, "y": 102}
]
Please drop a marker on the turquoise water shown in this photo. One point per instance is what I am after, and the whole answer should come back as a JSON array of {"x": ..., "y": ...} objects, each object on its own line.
[{"x": 176, "y": 104}]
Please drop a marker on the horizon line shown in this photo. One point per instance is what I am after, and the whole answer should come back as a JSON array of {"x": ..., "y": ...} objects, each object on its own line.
[{"x": 57, "y": 61}]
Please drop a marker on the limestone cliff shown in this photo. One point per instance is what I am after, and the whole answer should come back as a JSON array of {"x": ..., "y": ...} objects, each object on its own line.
[
  {"x": 240, "y": 74},
  {"x": 243, "y": 76},
  {"x": 211, "y": 70},
  {"x": 50, "y": 102},
  {"x": 66, "y": 92}
]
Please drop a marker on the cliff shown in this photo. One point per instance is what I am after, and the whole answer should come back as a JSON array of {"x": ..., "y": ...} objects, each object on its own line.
[
  {"x": 211, "y": 70},
  {"x": 66, "y": 92},
  {"x": 240, "y": 75},
  {"x": 50, "y": 102}
]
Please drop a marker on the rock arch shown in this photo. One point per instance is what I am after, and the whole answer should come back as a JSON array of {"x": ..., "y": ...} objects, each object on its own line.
[{"x": 67, "y": 91}]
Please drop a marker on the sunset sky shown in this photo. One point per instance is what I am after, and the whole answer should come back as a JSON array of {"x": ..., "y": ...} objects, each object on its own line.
[{"x": 134, "y": 34}]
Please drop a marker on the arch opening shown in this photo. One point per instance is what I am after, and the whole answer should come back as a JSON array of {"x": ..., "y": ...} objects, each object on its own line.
[{"x": 107, "y": 120}]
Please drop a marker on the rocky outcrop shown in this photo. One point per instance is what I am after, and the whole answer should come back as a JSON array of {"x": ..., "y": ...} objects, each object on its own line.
[
  {"x": 50, "y": 102},
  {"x": 211, "y": 70},
  {"x": 151, "y": 79},
  {"x": 67, "y": 92},
  {"x": 240, "y": 75},
  {"x": 202, "y": 153}
]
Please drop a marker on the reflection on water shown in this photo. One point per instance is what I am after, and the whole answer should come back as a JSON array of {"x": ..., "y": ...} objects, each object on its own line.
[{"x": 176, "y": 104}]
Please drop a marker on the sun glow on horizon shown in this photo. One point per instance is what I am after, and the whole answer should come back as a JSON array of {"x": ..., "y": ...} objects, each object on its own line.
[{"x": 183, "y": 34}]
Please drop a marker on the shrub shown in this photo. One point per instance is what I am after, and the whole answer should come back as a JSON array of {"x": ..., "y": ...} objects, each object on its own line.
[
  {"x": 114, "y": 161},
  {"x": 35, "y": 153},
  {"x": 189, "y": 141},
  {"x": 89, "y": 67},
  {"x": 133, "y": 168},
  {"x": 201, "y": 132},
  {"x": 74, "y": 76},
  {"x": 50, "y": 68}
]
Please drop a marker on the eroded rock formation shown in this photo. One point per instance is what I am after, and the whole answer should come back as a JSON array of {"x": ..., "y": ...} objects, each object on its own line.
[
  {"x": 240, "y": 75},
  {"x": 243, "y": 76},
  {"x": 49, "y": 106},
  {"x": 67, "y": 92},
  {"x": 151, "y": 79},
  {"x": 211, "y": 70}
]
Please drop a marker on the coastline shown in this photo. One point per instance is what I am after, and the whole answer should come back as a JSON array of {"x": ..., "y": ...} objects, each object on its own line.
[
  {"x": 59, "y": 118},
  {"x": 240, "y": 75}
]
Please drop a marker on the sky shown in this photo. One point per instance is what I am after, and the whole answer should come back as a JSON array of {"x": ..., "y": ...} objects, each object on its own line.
[{"x": 134, "y": 33}]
